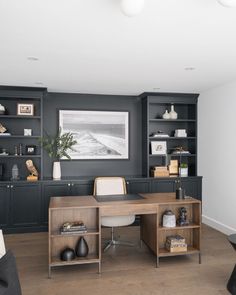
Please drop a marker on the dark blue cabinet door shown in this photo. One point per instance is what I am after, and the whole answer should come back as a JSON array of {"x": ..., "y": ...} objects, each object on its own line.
[
  {"x": 4, "y": 205},
  {"x": 138, "y": 186},
  {"x": 52, "y": 190},
  {"x": 25, "y": 204},
  {"x": 82, "y": 188},
  {"x": 163, "y": 186}
]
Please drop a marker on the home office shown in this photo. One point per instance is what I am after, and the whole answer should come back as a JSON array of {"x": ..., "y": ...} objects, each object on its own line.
[{"x": 143, "y": 118}]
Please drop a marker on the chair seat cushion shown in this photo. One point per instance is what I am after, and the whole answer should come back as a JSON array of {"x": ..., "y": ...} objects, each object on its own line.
[{"x": 113, "y": 221}]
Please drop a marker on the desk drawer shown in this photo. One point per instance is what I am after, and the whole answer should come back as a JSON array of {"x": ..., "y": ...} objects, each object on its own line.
[{"x": 128, "y": 209}]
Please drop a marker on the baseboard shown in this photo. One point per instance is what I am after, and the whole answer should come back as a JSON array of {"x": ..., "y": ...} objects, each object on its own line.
[{"x": 225, "y": 229}]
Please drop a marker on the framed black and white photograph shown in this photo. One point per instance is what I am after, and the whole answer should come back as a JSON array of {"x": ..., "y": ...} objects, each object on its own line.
[
  {"x": 158, "y": 147},
  {"x": 25, "y": 109},
  {"x": 99, "y": 134},
  {"x": 30, "y": 149}
]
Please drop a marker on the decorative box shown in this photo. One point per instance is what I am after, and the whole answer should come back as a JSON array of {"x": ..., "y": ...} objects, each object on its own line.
[
  {"x": 160, "y": 171},
  {"x": 173, "y": 167},
  {"x": 180, "y": 133},
  {"x": 169, "y": 219}
]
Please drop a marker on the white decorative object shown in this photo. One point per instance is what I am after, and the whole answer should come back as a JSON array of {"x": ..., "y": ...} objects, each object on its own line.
[
  {"x": 158, "y": 147},
  {"x": 27, "y": 132},
  {"x": 2, "y": 110},
  {"x": 166, "y": 115},
  {"x": 172, "y": 113},
  {"x": 169, "y": 219},
  {"x": 2, "y": 245},
  {"x": 183, "y": 172},
  {"x": 228, "y": 3},
  {"x": 56, "y": 174},
  {"x": 132, "y": 7},
  {"x": 180, "y": 133}
]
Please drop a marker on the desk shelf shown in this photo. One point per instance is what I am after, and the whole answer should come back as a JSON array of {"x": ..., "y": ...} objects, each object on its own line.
[
  {"x": 58, "y": 242},
  {"x": 190, "y": 226},
  {"x": 163, "y": 252}
]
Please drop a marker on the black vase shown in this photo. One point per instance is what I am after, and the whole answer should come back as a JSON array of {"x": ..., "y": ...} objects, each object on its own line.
[
  {"x": 81, "y": 249},
  {"x": 67, "y": 254}
]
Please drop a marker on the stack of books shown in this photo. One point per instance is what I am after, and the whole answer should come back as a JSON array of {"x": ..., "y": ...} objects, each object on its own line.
[
  {"x": 176, "y": 243},
  {"x": 76, "y": 227}
]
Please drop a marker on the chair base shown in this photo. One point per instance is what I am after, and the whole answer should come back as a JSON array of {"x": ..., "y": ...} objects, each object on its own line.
[{"x": 113, "y": 242}]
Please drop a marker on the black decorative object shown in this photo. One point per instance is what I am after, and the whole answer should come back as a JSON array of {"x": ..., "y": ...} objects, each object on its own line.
[
  {"x": 1, "y": 171},
  {"x": 67, "y": 254},
  {"x": 180, "y": 193},
  {"x": 231, "y": 286},
  {"x": 82, "y": 248},
  {"x": 182, "y": 220}
]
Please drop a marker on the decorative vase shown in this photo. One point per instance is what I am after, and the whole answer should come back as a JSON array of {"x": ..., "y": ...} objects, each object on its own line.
[
  {"x": 81, "y": 249},
  {"x": 2, "y": 110},
  {"x": 172, "y": 113},
  {"x": 166, "y": 115},
  {"x": 67, "y": 254},
  {"x": 56, "y": 174}
]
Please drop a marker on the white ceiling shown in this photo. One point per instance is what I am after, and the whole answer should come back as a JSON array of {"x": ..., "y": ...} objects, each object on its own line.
[{"x": 89, "y": 46}]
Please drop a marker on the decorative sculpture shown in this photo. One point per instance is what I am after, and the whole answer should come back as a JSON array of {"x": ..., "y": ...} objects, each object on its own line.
[{"x": 33, "y": 171}]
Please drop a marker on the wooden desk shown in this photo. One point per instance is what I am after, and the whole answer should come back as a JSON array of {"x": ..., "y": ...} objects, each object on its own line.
[{"x": 151, "y": 209}]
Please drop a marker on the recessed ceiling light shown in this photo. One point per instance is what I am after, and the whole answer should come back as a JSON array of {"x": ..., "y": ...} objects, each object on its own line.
[
  {"x": 32, "y": 58},
  {"x": 39, "y": 83},
  {"x": 156, "y": 88},
  {"x": 190, "y": 69},
  {"x": 228, "y": 3}
]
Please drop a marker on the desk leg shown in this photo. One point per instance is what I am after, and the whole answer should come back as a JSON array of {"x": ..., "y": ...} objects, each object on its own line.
[
  {"x": 49, "y": 272},
  {"x": 157, "y": 262},
  {"x": 200, "y": 258},
  {"x": 99, "y": 268},
  {"x": 141, "y": 243}
]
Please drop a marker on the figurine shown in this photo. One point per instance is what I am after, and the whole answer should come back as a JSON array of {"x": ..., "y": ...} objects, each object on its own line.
[
  {"x": 2, "y": 128},
  {"x": 182, "y": 220},
  {"x": 33, "y": 171}
]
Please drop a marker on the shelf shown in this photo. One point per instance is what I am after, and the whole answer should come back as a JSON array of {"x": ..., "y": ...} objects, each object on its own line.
[
  {"x": 91, "y": 258},
  {"x": 18, "y": 157},
  {"x": 164, "y": 252},
  {"x": 190, "y": 226},
  {"x": 19, "y": 117},
  {"x": 169, "y": 120},
  {"x": 171, "y": 155},
  {"x": 90, "y": 232},
  {"x": 172, "y": 138},
  {"x": 19, "y": 136}
]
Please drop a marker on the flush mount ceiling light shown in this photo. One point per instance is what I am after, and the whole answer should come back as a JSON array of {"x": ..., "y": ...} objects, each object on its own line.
[
  {"x": 228, "y": 3},
  {"x": 32, "y": 58},
  {"x": 132, "y": 7}
]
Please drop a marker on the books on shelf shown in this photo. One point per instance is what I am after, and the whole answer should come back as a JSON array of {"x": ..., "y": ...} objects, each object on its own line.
[
  {"x": 159, "y": 134},
  {"x": 176, "y": 243},
  {"x": 5, "y": 134},
  {"x": 75, "y": 227}
]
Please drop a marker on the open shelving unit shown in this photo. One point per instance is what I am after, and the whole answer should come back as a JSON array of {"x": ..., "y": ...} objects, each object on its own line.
[
  {"x": 58, "y": 242},
  {"x": 153, "y": 107},
  {"x": 15, "y": 124},
  {"x": 191, "y": 232}
]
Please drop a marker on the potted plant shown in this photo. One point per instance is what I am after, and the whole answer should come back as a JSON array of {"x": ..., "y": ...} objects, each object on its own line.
[
  {"x": 183, "y": 169},
  {"x": 57, "y": 147}
]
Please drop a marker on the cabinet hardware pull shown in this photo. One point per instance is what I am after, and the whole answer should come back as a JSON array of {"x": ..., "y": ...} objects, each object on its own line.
[
  {"x": 68, "y": 184},
  {"x": 8, "y": 186},
  {"x": 127, "y": 182},
  {"x": 72, "y": 184},
  {"x": 12, "y": 186}
]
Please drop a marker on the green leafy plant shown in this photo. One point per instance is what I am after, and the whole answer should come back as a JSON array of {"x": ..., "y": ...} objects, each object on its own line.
[
  {"x": 58, "y": 145},
  {"x": 183, "y": 165}
]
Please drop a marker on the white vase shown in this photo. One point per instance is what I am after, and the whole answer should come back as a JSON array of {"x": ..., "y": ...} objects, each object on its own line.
[
  {"x": 172, "y": 113},
  {"x": 166, "y": 115},
  {"x": 56, "y": 174}
]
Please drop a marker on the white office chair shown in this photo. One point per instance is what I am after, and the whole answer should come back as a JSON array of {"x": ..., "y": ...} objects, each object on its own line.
[{"x": 113, "y": 186}]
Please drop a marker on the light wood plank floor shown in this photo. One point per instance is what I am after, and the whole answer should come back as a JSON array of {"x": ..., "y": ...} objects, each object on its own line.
[{"x": 125, "y": 270}]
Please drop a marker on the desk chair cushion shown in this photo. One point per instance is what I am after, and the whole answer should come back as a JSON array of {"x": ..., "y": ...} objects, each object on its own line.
[
  {"x": 2, "y": 245},
  {"x": 115, "y": 221}
]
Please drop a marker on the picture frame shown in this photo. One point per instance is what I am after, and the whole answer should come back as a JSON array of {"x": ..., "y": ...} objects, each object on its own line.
[
  {"x": 25, "y": 109},
  {"x": 30, "y": 149},
  {"x": 158, "y": 147},
  {"x": 99, "y": 134},
  {"x": 27, "y": 132}
]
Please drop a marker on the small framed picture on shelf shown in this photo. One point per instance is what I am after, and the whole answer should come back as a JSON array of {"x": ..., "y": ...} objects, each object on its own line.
[
  {"x": 27, "y": 132},
  {"x": 30, "y": 149},
  {"x": 158, "y": 147},
  {"x": 25, "y": 109}
]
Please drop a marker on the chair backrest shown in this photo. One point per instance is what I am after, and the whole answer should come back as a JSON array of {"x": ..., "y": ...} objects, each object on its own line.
[
  {"x": 2, "y": 245},
  {"x": 109, "y": 186}
]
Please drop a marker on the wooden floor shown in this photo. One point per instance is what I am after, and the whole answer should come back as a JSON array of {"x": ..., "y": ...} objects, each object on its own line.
[{"x": 125, "y": 270}]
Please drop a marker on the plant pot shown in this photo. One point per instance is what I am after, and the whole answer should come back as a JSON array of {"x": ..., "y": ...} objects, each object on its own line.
[{"x": 56, "y": 174}]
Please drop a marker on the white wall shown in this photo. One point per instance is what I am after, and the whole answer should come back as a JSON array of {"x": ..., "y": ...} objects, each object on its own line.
[{"x": 217, "y": 156}]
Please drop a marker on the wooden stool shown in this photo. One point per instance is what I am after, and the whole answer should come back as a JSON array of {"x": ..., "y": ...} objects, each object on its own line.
[{"x": 231, "y": 286}]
